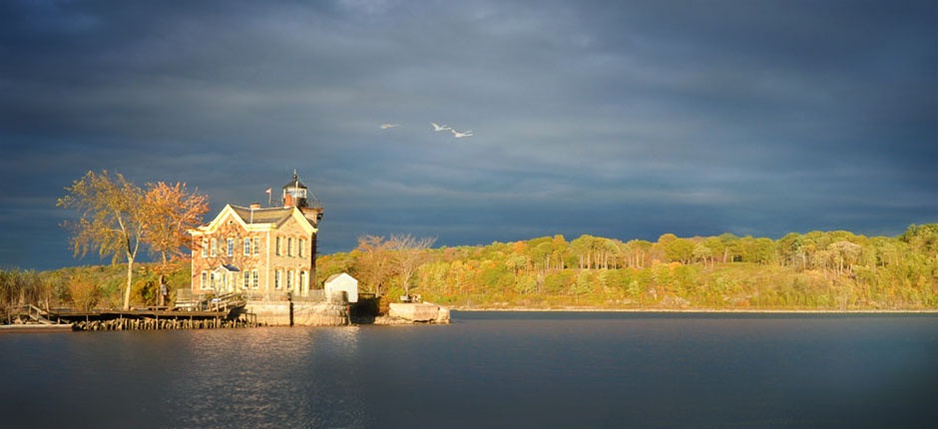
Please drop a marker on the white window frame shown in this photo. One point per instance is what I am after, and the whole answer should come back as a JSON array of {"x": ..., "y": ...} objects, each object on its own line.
[{"x": 247, "y": 246}]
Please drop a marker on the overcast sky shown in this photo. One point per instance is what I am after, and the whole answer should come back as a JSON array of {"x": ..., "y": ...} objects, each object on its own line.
[{"x": 620, "y": 119}]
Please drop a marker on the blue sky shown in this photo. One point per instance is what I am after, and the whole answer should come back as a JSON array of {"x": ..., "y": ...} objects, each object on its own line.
[{"x": 620, "y": 119}]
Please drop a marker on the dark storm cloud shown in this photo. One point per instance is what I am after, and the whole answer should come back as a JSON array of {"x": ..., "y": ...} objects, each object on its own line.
[{"x": 621, "y": 119}]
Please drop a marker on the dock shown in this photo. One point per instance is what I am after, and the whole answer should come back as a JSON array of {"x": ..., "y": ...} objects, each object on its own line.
[{"x": 226, "y": 311}]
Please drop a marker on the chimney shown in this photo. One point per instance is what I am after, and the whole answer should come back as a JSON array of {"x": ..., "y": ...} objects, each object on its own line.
[{"x": 255, "y": 206}]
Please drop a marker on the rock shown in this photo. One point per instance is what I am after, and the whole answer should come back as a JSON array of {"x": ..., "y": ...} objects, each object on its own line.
[
  {"x": 419, "y": 312},
  {"x": 442, "y": 316}
]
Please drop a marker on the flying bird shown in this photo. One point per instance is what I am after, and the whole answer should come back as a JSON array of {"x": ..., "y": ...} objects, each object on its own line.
[
  {"x": 459, "y": 135},
  {"x": 437, "y": 127},
  {"x": 389, "y": 126}
]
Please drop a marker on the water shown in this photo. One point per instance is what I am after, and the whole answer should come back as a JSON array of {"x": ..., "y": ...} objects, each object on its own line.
[{"x": 512, "y": 370}]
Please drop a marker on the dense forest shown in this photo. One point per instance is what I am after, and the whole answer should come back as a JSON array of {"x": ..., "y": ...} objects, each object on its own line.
[{"x": 835, "y": 270}]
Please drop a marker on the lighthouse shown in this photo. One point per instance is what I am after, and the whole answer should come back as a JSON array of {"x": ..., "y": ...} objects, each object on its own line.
[{"x": 296, "y": 194}]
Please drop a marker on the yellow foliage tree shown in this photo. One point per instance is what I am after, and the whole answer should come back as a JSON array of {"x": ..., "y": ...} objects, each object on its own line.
[{"x": 111, "y": 219}]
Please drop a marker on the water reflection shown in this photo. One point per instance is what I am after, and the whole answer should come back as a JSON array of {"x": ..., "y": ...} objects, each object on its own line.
[
  {"x": 484, "y": 371},
  {"x": 267, "y": 377}
]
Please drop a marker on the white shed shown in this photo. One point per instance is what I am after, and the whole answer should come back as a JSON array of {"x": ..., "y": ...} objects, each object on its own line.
[{"x": 342, "y": 283}]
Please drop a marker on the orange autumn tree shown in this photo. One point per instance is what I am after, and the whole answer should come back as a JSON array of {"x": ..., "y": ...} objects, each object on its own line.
[
  {"x": 170, "y": 211},
  {"x": 116, "y": 217}
]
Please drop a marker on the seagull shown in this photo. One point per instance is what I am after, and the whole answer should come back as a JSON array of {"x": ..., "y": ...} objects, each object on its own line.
[
  {"x": 437, "y": 127},
  {"x": 459, "y": 135},
  {"x": 389, "y": 126}
]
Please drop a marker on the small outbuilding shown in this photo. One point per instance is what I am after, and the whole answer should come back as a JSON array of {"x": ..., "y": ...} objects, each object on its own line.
[{"x": 342, "y": 283}]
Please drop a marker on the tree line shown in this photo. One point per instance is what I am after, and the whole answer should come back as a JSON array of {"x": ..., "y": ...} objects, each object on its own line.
[{"x": 833, "y": 270}]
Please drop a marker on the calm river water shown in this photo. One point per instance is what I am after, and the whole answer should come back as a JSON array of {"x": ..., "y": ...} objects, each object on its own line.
[{"x": 510, "y": 370}]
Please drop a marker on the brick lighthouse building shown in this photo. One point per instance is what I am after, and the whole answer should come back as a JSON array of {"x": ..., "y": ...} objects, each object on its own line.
[{"x": 264, "y": 252}]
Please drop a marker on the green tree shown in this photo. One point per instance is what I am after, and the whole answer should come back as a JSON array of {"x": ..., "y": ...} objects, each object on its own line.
[
  {"x": 638, "y": 253},
  {"x": 922, "y": 238},
  {"x": 583, "y": 248},
  {"x": 676, "y": 249},
  {"x": 702, "y": 253},
  {"x": 582, "y": 286}
]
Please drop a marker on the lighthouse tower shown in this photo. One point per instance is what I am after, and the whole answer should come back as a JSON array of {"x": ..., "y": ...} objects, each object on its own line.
[{"x": 296, "y": 194}]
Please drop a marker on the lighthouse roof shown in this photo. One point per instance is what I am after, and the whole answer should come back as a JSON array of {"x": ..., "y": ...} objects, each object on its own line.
[{"x": 295, "y": 183}]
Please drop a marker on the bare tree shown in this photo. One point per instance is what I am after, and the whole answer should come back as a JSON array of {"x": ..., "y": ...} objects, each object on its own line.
[{"x": 409, "y": 253}]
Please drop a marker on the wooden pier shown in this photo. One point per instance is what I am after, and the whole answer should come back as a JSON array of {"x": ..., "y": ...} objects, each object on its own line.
[{"x": 227, "y": 311}]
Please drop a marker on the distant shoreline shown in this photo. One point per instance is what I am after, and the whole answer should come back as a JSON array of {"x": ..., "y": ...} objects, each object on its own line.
[{"x": 688, "y": 311}]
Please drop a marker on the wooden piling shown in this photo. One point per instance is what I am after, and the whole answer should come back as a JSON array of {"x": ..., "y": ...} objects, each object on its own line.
[{"x": 156, "y": 320}]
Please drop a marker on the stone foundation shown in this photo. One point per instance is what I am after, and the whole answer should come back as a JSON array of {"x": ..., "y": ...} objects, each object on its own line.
[
  {"x": 277, "y": 313},
  {"x": 424, "y": 312}
]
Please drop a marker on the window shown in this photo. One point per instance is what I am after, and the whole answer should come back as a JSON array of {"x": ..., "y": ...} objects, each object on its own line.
[
  {"x": 277, "y": 249},
  {"x": 204, "y": 283},
  {"x": 302, "y": 251},
  {"x": 257, "y": 245},
  {"x": 211, "y": 279},
  {"x": 277, "y": 279},
  {"x": 204, "y": 247},
  {"x": 247, "y": 280},
  {"x": 290, "y": 280},
  {"x": 230, "y": 246},
  {"x": 214, "y": 247},
  {"x": 290, "y": 247},
  {"x": 304, "y": 280},
  {"x": 254, "y": 279},
  {"x": 247, "y": 246}
]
